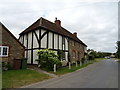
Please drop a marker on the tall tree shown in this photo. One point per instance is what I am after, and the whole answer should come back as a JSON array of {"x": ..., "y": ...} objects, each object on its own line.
[{"x": 118, "y": 49}]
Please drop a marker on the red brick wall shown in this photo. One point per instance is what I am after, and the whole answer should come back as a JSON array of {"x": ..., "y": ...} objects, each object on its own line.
[
  {"x": 16, "y": 50},
  {"x": 76, "y": 51}
]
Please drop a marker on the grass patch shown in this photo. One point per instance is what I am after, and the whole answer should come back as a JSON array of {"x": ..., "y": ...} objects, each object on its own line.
[
  {"x": 18, "y": 78},
  {"x": 98, "y": 59},
  {"x": 66, "y": 70},
  {"x": 118, "y": 60}
]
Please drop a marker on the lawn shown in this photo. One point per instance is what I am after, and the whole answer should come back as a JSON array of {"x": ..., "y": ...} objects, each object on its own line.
[
  {"x": 18, "y": 78},
  {"x": 65, "y": 70}
]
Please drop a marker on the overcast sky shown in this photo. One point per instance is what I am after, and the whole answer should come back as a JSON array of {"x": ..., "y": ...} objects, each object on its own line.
[{"x": 95, "y": 21}]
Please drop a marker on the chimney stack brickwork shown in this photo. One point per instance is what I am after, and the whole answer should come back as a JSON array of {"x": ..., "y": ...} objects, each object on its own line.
[
  {"x": 75, "y": 34},
  {"x": 57, "y": 22}
]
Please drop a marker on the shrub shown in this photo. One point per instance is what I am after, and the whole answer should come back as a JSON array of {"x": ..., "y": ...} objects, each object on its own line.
[
  {"x": 83, "y": 59},
  {"x": 47, "y": 59},
  {"x": 6, "y": 66}
]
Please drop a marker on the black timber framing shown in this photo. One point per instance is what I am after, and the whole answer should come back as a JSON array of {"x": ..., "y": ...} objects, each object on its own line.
[
  {"x": 47, "y": 40},
  {"x": 39, "y": 38},
  {"x": 58, "y": 41},
  {"x": 40, "y": 27},
  {"x": 23, "y": 39},
  {"x": 27, "y": 45},
  {"x": 64, "y": 44},
  {"x": 39, "y": 42},
  {"x": 53, "y": 42},
  {"x": 36, "y": 37},
  {"x": 44, "y": 34},
  {"x": 45, "y": 48},
  {"x": 32, "y": 50}
]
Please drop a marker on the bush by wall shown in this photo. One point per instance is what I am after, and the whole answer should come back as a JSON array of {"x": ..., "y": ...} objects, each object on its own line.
[{"x": 47, "y": 59}]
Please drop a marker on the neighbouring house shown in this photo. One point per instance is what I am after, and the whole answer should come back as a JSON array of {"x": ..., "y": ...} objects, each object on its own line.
[
  {"x": 10, "y": 48},
  {"x": 44, "y": 34}
]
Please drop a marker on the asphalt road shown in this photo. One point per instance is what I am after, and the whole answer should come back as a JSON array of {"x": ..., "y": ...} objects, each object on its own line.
[{"x": 99, "y": 75}]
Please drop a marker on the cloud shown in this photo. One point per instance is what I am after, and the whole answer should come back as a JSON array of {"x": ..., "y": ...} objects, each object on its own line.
[{"x": 95, "y": 21}]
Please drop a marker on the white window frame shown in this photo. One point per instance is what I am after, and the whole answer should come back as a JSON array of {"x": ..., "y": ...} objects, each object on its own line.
[{"x": 1, "y": 54}]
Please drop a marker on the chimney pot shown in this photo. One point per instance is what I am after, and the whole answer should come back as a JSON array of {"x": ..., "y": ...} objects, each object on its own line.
[
  {"x": 75, "y": 34},
  {"x": 57, "y": 22}
]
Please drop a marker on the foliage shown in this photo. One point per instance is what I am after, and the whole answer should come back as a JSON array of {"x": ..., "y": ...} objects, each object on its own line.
[
  {"x": 118, "y": 50},
  {"x": 6, "y": 66},
  {"x": 60, "y": 54},
  {"x": 93, "y": 54},
  {"x": 47, "y": 59},
  {"x": 83, "y": 59}
]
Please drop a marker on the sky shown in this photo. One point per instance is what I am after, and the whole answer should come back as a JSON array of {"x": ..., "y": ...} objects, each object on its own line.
[{"x": 95, "y": 21}]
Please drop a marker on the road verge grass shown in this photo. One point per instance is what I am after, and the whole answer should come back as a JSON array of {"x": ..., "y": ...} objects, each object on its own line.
[
  {"x": 18, "y": 78},
  {"x": 65, "y": 70}
]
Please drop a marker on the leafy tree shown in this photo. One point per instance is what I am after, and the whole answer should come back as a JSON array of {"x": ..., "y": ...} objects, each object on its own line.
[{"x": 118, "y": 50}]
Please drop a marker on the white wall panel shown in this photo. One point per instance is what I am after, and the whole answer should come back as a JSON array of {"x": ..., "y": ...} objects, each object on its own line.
[
  {"x": 21, "y": 39},
  {"x": 50, "y": 40},
  {"x": 29, "y": 40},
  {"x": 35, "y": 42},
  {"x": 29, "y": 56},
  {"x": 60, "y": 42},
  {"x": 44, "y": 39},
  {"x": 55, "y": 41},
  {"x": 66, "y": 44},
  {"x": 37, "y": 32},
  {"x": 35, "y": 56},
  {"x": 42, "y": 31},
  {"x": 25, "y": 40},
  {"x": 44, "y": 42},
  {"x": 66, "y": 56}
]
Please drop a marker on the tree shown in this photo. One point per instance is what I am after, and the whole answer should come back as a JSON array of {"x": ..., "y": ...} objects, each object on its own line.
[{"x": 118, "y": 50}]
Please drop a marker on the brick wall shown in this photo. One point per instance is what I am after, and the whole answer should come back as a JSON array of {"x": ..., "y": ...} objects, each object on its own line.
[
  {"x": 16, "y": 50},
  {"x": 76, "y": 51}
]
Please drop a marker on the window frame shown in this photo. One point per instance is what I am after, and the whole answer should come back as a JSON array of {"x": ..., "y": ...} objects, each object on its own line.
[{"x": 1, "y": 54}]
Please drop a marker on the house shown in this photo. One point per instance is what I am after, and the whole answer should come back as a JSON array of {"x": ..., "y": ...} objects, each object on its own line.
[
  {"x": 10, "y": 47},
  {"x": 44, "y": 34}
]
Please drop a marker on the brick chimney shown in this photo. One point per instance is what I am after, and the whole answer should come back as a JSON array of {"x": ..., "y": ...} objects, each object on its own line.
[
  {"x": 57, "y": 22},
  {"x": 75, "y": 34}
]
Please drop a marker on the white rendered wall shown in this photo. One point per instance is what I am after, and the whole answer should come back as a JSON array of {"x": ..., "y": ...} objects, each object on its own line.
[
  {"x": 25, "y": 40},
  {"x": 50, "y": 40},
  {"x": 66, "y": 44},
  {"x": 66, "y": 56},
  {"x": 43, "y": 40},
  {"x": 29, "y": 56},
  {"x": 60, "y": 42},
  {"x": 35, "y": 42},
  {"x": 35, "y": 56},
  {"x": 29, "y": 40},
  {"x": 55, "y": 41}
]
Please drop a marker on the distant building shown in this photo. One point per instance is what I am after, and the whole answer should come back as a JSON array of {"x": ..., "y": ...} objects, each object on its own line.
[
  {"x": 44, "y": 34},
  {"x": 10, "y": 47}
]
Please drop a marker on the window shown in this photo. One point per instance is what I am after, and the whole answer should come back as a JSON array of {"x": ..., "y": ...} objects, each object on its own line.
[{"x": 3, "y": 51}]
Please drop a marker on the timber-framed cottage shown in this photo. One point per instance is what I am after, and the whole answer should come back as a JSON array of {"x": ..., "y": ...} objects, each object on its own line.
[{"x": 44, "y": 34}]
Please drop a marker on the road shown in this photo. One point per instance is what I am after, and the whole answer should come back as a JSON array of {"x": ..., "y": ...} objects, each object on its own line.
[{"x": 103, "y": 74}]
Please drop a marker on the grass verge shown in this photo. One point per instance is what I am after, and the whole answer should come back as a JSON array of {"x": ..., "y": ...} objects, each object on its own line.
[
  {"x": 18, "y": 78},
  {"x": 117, "y": 59},
  {"x": 65, "y": 70}
]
